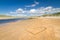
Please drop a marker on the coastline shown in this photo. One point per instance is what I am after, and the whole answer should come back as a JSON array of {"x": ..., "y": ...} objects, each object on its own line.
[{"x": 14, "y": 29}]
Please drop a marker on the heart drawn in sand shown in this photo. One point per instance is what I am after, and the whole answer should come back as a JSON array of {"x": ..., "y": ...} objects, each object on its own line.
[{"x": 36, "y": 30}]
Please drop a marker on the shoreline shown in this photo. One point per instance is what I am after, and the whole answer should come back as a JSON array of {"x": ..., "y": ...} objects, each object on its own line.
[
  {"x": 14, "y": 29},
  {"x": 26, "y": 17}
]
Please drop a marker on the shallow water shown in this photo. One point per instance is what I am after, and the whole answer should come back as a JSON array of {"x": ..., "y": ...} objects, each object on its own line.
[{"x": 3, "y": 21}]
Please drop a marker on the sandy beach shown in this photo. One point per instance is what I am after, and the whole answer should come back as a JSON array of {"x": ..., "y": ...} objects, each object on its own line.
[
  {"x": 7, "y": 17},
  {"x": 31, "y": 29}
]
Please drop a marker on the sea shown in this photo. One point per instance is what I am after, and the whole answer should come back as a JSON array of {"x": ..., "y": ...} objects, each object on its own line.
[{"x": 4, "y": 21}]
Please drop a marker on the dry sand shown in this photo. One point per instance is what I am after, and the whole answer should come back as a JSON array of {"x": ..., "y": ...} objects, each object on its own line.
[{"x": 31, "y": 29}]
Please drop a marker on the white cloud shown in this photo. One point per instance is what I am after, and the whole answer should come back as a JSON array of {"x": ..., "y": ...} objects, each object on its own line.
[
  {"x": 38, "y": 11},
  {"x": 33, "y": 5},
  {"x": 48, "y": 10},
  {"x": 36, "y": 2},
  {"x": 32, "y": 11},
  {"x": 20, "y": 15},
  {"x": 19, "y": 10}
]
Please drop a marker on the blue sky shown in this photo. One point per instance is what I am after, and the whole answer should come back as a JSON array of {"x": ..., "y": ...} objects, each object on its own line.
[{"x": 7, "y": 6}]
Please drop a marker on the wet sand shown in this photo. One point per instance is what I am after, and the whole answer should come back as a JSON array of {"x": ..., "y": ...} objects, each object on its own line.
[{"x": 31, "y": 29}]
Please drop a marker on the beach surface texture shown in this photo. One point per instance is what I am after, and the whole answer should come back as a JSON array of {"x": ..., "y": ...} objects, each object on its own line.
[{"x": 31, "y": 29}]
